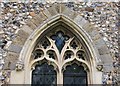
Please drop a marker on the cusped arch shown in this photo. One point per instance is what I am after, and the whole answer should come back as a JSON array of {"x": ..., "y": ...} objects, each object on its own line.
[
  {"x": 52, "y": 22},
  {"x": 31, "y": 42}
]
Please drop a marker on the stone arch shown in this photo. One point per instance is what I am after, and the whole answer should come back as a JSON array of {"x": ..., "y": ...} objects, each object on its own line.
[{"x": 47, "y": 18}]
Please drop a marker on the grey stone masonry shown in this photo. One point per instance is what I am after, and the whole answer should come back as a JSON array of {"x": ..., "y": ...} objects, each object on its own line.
[{"x": 99, "y": 20}]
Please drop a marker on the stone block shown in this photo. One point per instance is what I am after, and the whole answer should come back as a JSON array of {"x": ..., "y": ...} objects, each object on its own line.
[
  {"x": 57, "y": 7},
  {"x": 107, "y": 67},
  {"x": 11, "y": 60},
  {"x": 96, "y": 37},
  {"x": 88, "y": 27},
  {"x": 99, "y": 42},
  {"x": 47, "y": 13},
  {"x": 38, "y": 19},
  {"x": 52, "y": 10},
  {"x": 82, "y": 22},
  {"x": 31, "y": 24},
  {"x": 103, "y": 50},
  {"x": 42, "y": 16},
  {"x": 21, "y": 37},
  {"x": 35, "y": 21},
  {"x": 78, "y": 19},
  {"x": 15, "y": 48},
  {"x": 62, "y": 7},
  {"x": 26, "y": 29},
  {"x": 107, "y": 62},
  {"x": 70, "y": 13},
  {"x": 93, "y": 33},
  {"x": 106, "y": 58}
]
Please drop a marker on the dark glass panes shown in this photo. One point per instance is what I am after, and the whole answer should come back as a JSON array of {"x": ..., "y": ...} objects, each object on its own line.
[
  {"x": 74, "y": 45},
  {"x": 68, "y": 55},
  {"x": 75, "y": 75},
  {"x": 51, "y": 55},
  {"x": 44, "y": 74},
  {"x": 60, "y": 39},
  {"x": 81, "y": 55},
  {"x": 45, "y": 44},
  {"x": 38, "y": 53}
]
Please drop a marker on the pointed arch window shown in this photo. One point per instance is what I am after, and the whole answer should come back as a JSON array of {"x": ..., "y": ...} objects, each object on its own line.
[
  {"x": 59, "y": 47},
  {"x": 75, "y": 75},
  {"x": 44, "y": 74}
]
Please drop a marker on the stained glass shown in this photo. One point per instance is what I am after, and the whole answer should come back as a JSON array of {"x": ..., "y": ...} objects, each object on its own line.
[
  {"x": 44, "y": 75},
  {"x": 75, "y": 75},
  {"x": 60, "y": 39}
]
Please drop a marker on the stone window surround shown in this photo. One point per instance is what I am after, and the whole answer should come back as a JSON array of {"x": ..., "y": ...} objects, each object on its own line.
[{"x": 31, "y": 42}]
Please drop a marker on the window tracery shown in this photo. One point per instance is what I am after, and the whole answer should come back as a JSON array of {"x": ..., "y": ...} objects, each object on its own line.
[{"x": 60, "y": 48}]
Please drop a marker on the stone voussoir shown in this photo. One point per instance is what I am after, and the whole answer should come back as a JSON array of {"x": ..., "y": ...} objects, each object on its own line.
[
  {"x": 38, "y": 19},
  {"x": 106, "y": 58},
  {"x": 21, "y": 38},
  {"x": 93, "y": 33},
  {"x": 69, "y": 12},
  {"x": 103, "y": 50},
  {"x": 96, "y": 37},
  {"x": 57, "y": 7},
  {"x": 31, "y": 24},
  {"x": 15, "y": 48},
  {"x": 11, "y": 60},
  {"x": 52, "y": 10},
  {"x": 47, "y": 13},
  {"x": 81, "y": 21},
  {"x": 26, "y": 29}
]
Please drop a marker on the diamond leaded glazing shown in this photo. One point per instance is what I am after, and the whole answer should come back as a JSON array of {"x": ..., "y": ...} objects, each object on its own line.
[
  {"x": 75, "y": 75},
  {"x": 44, "y": 74}
]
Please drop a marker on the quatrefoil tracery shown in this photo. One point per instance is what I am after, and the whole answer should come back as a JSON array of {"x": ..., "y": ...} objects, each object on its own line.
[{"x": 48, "y": 49}]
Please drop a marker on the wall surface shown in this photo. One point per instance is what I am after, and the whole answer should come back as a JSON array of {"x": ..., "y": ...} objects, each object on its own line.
[{"x": 100, "y": 20}]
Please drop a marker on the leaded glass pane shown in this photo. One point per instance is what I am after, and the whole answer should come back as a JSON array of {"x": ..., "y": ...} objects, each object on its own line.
[
  {"x": 75, "y": 75},
  {"x": 60, "y": 39},
  {"x": 44, "y": 74}
]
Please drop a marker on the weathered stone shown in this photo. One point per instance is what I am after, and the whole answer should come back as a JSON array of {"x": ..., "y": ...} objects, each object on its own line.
[
  {"x": 52, "y": 10},
  {"x": 78, "y": 19},
  {"x": 21, "y": 38},
  {"x": 96, "y": 37},
  {"x": 26, "y": 29},
  {"x": 38, "y": 19},
  {"x": 103, "y": 50},
  {"x": 15, "y": 48},
  {"x": 106, "y": 58},
  {"x": 11, "y": 60},
  {"x": 31, "y": 24},
  {"x": 88, "y": 27},
  {"x": 93, "y": 33},
  {"x": 57, "y": 7},
  {"x": 98, "y": 43},
  {"x": 70, "y": 13},
  {"x": 42, "y": 16},
  {"x": 83, "y": 23},
  {"x": 62, "y": 7},
  {"x": 47, "y": 13}
]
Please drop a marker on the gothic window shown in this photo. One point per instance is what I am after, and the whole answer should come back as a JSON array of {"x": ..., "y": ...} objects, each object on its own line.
[
  {"x": 43, "y": 74},
  {"x": 59, "y": 48},
  {"x": 75, "y": 75}
]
